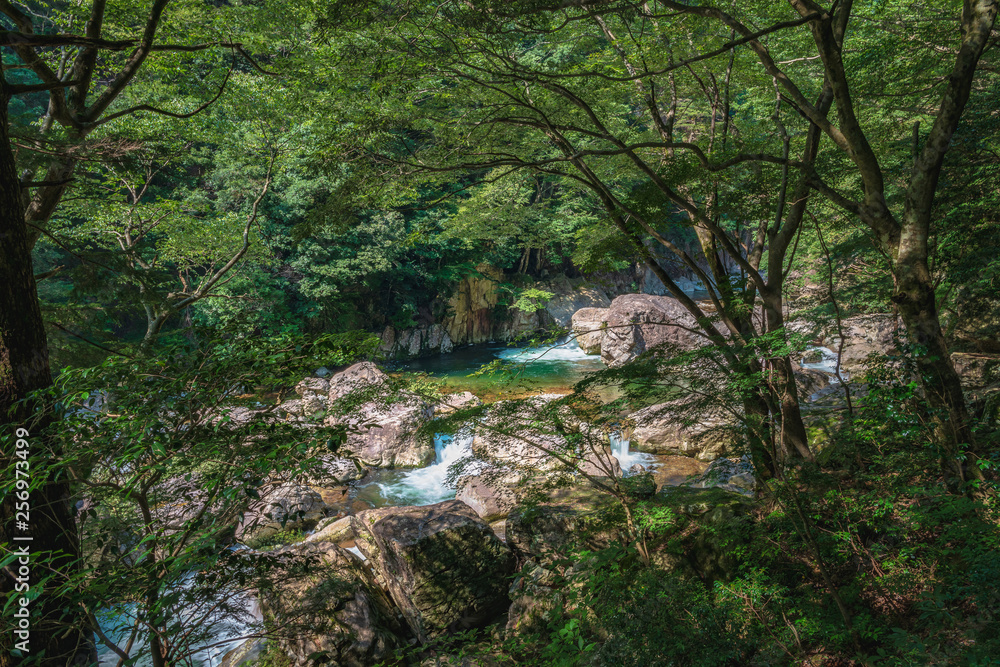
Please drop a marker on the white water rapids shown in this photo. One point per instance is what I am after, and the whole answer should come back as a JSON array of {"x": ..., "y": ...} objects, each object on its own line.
[{"x": 426, "y": 486}]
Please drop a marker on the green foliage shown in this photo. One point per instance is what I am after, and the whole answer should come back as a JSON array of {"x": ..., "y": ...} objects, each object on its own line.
[
  {"x": 655, "y": 618},
  {"x": 279, "y": 539},
  {"x": 169, "y": 453},
  {"x": 531, "y": 300}
]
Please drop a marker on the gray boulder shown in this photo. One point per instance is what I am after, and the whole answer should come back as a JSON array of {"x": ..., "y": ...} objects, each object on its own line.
[
  {"x": 660, "y": 429},
  {"x": 865, "y": 334},
  {"x": 334, "y": 530},
  {"x": 380, "y": 434},
  {"x": 588, "y": 327},
  {"x": 314, "y": 392},
  {"x": 352, "y": 378},
  {"x": 977, "y": 370},
  {"x": 570, "y": 297},
  {"x": 490, "y": 498},
  {"x": 516, "y": 435},
  {"x": 323, "y": 600},
  {"x": 442, "y": 565},
  {"x": 386, "y": 436},
  {"x": 572, "y": 517},
  {"x": 809, "y": 381},
  {"x": 639, "y": 322},
  {"x": 730, "y": 474},
  {"x": 334, "y": 470},
  {"x": 535, "y": 595},
  {"x": 286, "y": 507}
]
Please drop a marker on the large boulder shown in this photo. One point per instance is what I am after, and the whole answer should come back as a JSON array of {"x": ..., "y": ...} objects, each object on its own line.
[
  {"x": 639, "y": 322},
  {"x": 573, "y": 517},
  {"x": 712, "y": 525},
  {"x": 588, "y": 327},
  {"x": 381, "y": 434},
  {"x": 735, "y": 475},
  {"x": 674, "y": 469},
  {"x": 285, "y": 507},
  {"x": 977, "y": 370},
  {"x": 358, "y": 376},
  {"x": 535, "y": 595},
  {"x": 324, "y": 601},
  {"x": 387, "y": 437},
  {"x": 331, "y": 470},
  {"x": 809, "y": 381},
  {"x": 518, "y": 435},
  {"x": 314, "y": 392},
  {"x": 334, "y": 530},
  {"x": 489, "y": 497},
  {"x": 569, "y": 297},
  {"x": 661, "y": 429},
  {"x": 865, "y": 334},
  {"x": 441, "y": 564}
]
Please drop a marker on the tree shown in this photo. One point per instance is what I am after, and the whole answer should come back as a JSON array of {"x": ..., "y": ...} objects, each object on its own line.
[
  {"x": 560, "y": 95},
  {"x": 170, "y": 255},
  {"x": 168, "y": 466},
  {"x": 24, "y": 368},
  {"x": 66, "y": 66},
  {"x": 561, "y": 90}
]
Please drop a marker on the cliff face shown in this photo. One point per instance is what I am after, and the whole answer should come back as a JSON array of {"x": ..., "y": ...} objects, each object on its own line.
[
  {"x": 472, "y": 308},
  {"x": 474, "y": 315}
]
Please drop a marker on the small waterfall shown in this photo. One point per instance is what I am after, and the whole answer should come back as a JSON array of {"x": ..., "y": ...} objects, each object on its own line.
[
  {"x": 567, "y": 350},
  {"x": 626, "y": 458},
  {"x": 827, "y": 363},
  {"x": 227, "y": 632},
  {"x": 426, "y": 486}
]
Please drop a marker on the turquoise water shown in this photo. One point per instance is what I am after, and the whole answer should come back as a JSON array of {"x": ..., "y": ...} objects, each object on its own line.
[{"x": 554, "y": 368}]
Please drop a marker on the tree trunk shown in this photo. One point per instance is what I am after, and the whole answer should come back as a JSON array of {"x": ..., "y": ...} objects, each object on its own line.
[
  {"x": 24, "y": 367},
  {"x": 794, "y": 439},
  {"x": 915, "y": 298},
  {"x": 45, "y": 200}
]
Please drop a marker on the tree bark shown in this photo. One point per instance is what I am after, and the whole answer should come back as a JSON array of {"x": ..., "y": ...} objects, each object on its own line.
[{"x": 24, "y": 368}]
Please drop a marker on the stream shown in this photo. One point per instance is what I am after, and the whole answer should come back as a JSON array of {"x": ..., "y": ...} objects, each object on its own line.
[{"x": 549, "y": 369}]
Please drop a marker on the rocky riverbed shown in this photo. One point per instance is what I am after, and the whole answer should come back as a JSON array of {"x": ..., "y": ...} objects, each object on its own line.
[{"x": 412, "y": 532}]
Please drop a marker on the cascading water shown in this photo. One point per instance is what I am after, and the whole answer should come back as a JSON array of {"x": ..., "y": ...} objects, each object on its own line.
[
  {"x": 626, "y": 458},
  {"x": 568, "y": 350},
  {"x": 227, "y": 632},
  {"x": 426, "y": 486},
  {"x": 826, "y": 364}
]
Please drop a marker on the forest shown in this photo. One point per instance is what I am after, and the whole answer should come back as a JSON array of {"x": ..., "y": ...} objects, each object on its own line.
[{"x": 478, "y": 333}]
